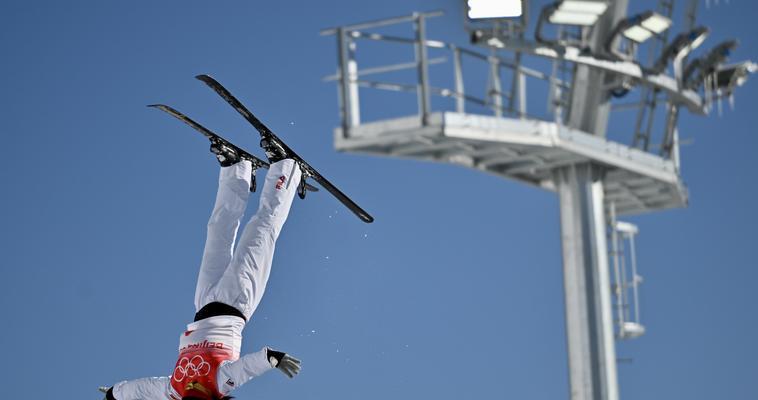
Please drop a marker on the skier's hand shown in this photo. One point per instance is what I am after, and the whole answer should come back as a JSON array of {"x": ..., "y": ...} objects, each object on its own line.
[
  {"x": 289, "y": 365},
  {"x": 105, "y": 390}
]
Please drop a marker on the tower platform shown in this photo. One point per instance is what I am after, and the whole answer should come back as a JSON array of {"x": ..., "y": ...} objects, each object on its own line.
[{"x": 525, "y": 150}]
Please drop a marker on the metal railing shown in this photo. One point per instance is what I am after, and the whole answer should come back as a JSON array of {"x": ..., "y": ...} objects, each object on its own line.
[
  {"x": 350, "y": 77},
  {"x": 510, "y": 100}
]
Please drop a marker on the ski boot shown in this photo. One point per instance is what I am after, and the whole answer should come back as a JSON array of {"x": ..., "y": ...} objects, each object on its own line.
[
  {"x": 274, "y": 151},
  {"x": 227, "y": 157}
]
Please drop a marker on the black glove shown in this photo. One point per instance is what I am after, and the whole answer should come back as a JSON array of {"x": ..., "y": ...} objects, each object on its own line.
[
  {"x": 289, "y": 365},
  {"x": 108, "y": 392}
]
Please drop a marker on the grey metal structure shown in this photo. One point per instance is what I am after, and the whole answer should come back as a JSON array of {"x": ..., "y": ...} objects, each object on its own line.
[
  {"x": 626, "y": 280},
  {"x": 567, "y": 152}
]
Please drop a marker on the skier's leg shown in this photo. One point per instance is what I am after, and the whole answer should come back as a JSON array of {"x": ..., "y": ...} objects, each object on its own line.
[
  {"x": 245, "y": 279},
  {"x": 231, "y": 201}
]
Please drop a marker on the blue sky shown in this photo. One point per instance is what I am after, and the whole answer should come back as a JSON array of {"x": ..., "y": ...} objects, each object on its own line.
[{"x": 454, "y": 292}]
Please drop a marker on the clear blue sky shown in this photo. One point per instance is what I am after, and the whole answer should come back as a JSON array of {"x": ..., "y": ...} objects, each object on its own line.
[{"x": 455, "y": 292}]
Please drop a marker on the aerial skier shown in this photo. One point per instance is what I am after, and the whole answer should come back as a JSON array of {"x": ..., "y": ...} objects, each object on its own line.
[
  {"x": 230, "y": 285},
  {"x": 232, "y": 280}
]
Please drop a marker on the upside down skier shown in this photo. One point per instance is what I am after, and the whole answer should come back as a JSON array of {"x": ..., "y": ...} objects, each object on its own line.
[{"x": 230, "y": 285}]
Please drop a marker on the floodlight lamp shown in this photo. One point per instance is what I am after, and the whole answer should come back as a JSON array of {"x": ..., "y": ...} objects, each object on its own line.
[
  {"x": 637, "y": 33},
  {"x": 656, "y": 23},
  {"x": 679, "y": 48},
  {"x": 571, "y": 18},
  {"x": 731, "y": 76},
  {"x": 569, "y": 12},
  {"x": 708, "y": 64},
  {"x": 576, "y": 12},
  {"x": 583, "y": 6},
  {"x": 696, "y": 38},
  {"x": 638, "y": 29},
  {"x": 480, "y": 9},
  {"x": 684, "y": 43},
  {"x": 643, "y": 26}
]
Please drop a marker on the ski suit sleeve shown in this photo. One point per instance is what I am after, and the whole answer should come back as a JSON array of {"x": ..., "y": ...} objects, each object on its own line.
[
  {"x": 234, "y": 374},
  {"x": 157, "y": 388}
]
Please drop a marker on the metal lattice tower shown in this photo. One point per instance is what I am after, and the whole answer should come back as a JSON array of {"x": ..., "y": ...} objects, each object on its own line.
[{"x": 566, "y": 150}]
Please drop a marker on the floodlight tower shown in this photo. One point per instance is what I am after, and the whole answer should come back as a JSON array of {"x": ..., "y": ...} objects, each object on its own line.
[{"x": 593, "y": 48}]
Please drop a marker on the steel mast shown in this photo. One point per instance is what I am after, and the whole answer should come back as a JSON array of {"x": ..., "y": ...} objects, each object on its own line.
[
  {"x": 595, "y": 178},
  {"x": 586, "y": 282}
]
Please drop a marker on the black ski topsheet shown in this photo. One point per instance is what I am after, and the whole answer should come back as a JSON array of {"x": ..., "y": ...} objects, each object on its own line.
[
  {"x": 265, "y": 131},
  {"x": 257, "y": 162}
]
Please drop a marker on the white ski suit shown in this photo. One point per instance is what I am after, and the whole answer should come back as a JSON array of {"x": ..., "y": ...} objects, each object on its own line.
[{"x": 209, "y": 350}]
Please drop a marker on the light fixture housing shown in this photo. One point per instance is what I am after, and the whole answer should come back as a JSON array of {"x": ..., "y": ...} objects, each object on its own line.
[
  {"x": 643, "y": 26},
  {"x": 636, "y": 29},
  {"x": 570, "y": 18},
  {"x": 584, "y": 6},
  {"x": 483, "y": 9},
  {"x": 697, "y": 39},
  {"x": 679, "y": 48},
  {"x": 569, "y": 12},
  {"x": 656, "y": 23},
  {"x": 700, "y": 68},
  {"x": 577, "y": 12},
  {"x": 731, "y": 76},
  {"x": 637, "y": 34}
]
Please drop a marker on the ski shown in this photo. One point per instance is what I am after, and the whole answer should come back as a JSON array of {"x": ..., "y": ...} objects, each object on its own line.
[
  {"x": 215, "y": 138},
  {"x": 267, "y": 134}
]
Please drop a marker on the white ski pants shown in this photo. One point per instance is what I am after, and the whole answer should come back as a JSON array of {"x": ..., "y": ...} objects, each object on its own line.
[{"x": 238, "y": 277}]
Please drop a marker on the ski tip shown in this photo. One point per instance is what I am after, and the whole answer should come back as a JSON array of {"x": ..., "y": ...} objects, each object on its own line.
[
  {"x": 204, "y": 77},
  {"x": 163, "y": 107},
  {"x": 366, "y": 218}
]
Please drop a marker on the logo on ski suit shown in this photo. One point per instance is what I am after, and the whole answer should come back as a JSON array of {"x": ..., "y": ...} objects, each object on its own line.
[
  {"x": 191, "y": 368},
  {"x": 280, "y": 182},
  {"x": 197, "y": 369}
]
